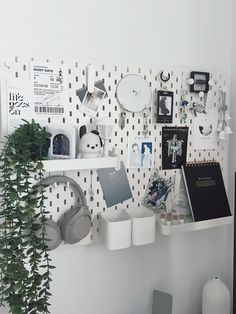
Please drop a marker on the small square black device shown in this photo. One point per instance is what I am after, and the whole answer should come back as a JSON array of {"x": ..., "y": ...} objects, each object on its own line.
[
  {"x": 200, "y": 82},
  {"x": 165, "y": 106}
]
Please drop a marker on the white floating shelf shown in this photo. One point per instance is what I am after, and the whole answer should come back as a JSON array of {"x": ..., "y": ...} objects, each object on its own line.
[
  {"x": 193, "y": 226},
  {"x": 54, "y": 165}
]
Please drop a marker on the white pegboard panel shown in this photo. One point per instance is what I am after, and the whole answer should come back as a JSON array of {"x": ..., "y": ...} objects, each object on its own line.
[{"x": 59, "y": 200}]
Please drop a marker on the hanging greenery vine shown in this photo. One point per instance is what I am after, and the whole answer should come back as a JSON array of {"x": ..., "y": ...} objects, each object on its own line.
[{"x": 24, "y": 259}]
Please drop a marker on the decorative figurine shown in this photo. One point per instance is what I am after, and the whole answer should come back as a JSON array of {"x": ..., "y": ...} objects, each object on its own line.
[{"x": 90, "y": 144}]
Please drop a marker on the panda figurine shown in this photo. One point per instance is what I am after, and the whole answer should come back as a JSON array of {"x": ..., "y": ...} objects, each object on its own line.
[{"x": 90, "y": 144}]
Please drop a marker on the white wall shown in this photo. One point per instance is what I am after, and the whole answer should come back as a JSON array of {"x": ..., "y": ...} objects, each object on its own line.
[
  {"x": 91, "y": 280},
  {"x": 232, "y": 163}
]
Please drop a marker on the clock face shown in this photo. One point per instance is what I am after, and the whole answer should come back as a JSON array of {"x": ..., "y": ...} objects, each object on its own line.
[
  {"x": 61, "y": 145},
  {"x": 133, "y": 93}
]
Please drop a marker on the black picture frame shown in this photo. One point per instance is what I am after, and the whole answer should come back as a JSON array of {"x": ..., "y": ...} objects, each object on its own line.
[
  {"x": 165, "y": 102},
  {"x": 201, "y": 80}
]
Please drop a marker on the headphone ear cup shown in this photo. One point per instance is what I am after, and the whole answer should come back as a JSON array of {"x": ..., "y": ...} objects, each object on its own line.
[
  {"x": 75, "y": 225},
  {"x": 52, "y": 234}
]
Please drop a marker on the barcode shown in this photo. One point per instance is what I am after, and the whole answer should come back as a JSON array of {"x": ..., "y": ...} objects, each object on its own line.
[{"x": 52, "y": 110}]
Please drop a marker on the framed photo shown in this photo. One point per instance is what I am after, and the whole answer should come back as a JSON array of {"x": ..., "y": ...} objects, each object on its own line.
[
  {"x": 140, "y": 153},
  {"x": 201, "y": 80},
  {"x": 62, "y": 145},
  {"x": 165, "y": 101}
]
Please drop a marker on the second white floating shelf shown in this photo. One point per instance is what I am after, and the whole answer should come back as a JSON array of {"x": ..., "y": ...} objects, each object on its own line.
[
  {"x": 193, "y": 226},
  {"x": 54, "y": 165}
]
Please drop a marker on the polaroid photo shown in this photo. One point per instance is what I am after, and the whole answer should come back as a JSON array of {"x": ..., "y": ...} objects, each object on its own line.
[{"x": 90, "y": 102}]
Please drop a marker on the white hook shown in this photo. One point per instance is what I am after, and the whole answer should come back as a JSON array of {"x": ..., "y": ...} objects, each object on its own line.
[
  {"x": 201, "y": 94},
  {"x": 90, "y": 78},
  {"x": 190, "y": 81},
  {"x": 7, "y": 65}
]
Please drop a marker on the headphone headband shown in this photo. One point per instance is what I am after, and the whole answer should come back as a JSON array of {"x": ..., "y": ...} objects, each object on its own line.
[{"x": 64, "y": 179}]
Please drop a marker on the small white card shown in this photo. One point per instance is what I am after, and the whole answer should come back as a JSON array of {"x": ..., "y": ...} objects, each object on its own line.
[
  {"x": 205, "y": 130},
  {"x": 49, "y": 88}
]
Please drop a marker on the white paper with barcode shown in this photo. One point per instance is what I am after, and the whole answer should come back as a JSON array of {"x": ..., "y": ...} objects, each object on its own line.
[{"x": 49, "y": 88}]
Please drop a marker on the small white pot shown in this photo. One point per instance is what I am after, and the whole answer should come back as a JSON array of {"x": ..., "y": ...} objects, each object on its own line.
[
  {"x": 143, "y": 225},
  {"x": 115, "y": 229}
]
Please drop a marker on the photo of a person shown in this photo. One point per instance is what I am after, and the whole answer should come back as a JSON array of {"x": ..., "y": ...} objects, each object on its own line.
[
  {"x": 135, "y": 155},
  {"x": 165, "y": 105},
  {"x": 157, "y": 193},
  {"x": 146, "y": 150},
  {"x": 140, "y": 153}
]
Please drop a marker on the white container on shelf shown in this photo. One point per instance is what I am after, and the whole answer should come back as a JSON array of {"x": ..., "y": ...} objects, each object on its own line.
[
  {"x": 115, "y": 229},
  {"x": 143, "y": 225},
  {"x": 190, "y": 225}
]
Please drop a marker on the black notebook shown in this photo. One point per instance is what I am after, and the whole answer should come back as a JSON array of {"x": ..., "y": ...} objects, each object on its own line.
[{"x": 206, "y": 191}]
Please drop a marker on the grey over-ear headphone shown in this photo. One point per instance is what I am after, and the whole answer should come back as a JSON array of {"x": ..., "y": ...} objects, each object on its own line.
[{"x": 74, "y": 225}]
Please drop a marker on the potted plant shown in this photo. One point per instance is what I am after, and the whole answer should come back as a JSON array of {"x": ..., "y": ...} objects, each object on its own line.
[{"x": 25, "y": 263}]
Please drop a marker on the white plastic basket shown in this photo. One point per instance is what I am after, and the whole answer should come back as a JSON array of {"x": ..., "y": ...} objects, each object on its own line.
[
  {"x": 143, "y": 225},
  {"x": 115, "y": 229}
]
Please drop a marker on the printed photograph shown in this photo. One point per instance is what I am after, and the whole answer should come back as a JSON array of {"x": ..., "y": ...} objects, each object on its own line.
[
  {"x": 165, "y": 103},
  {"x": 140, "y": 153},
  {"x": 157, "y": 192},
  {"x": 90, "y": 102}
]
